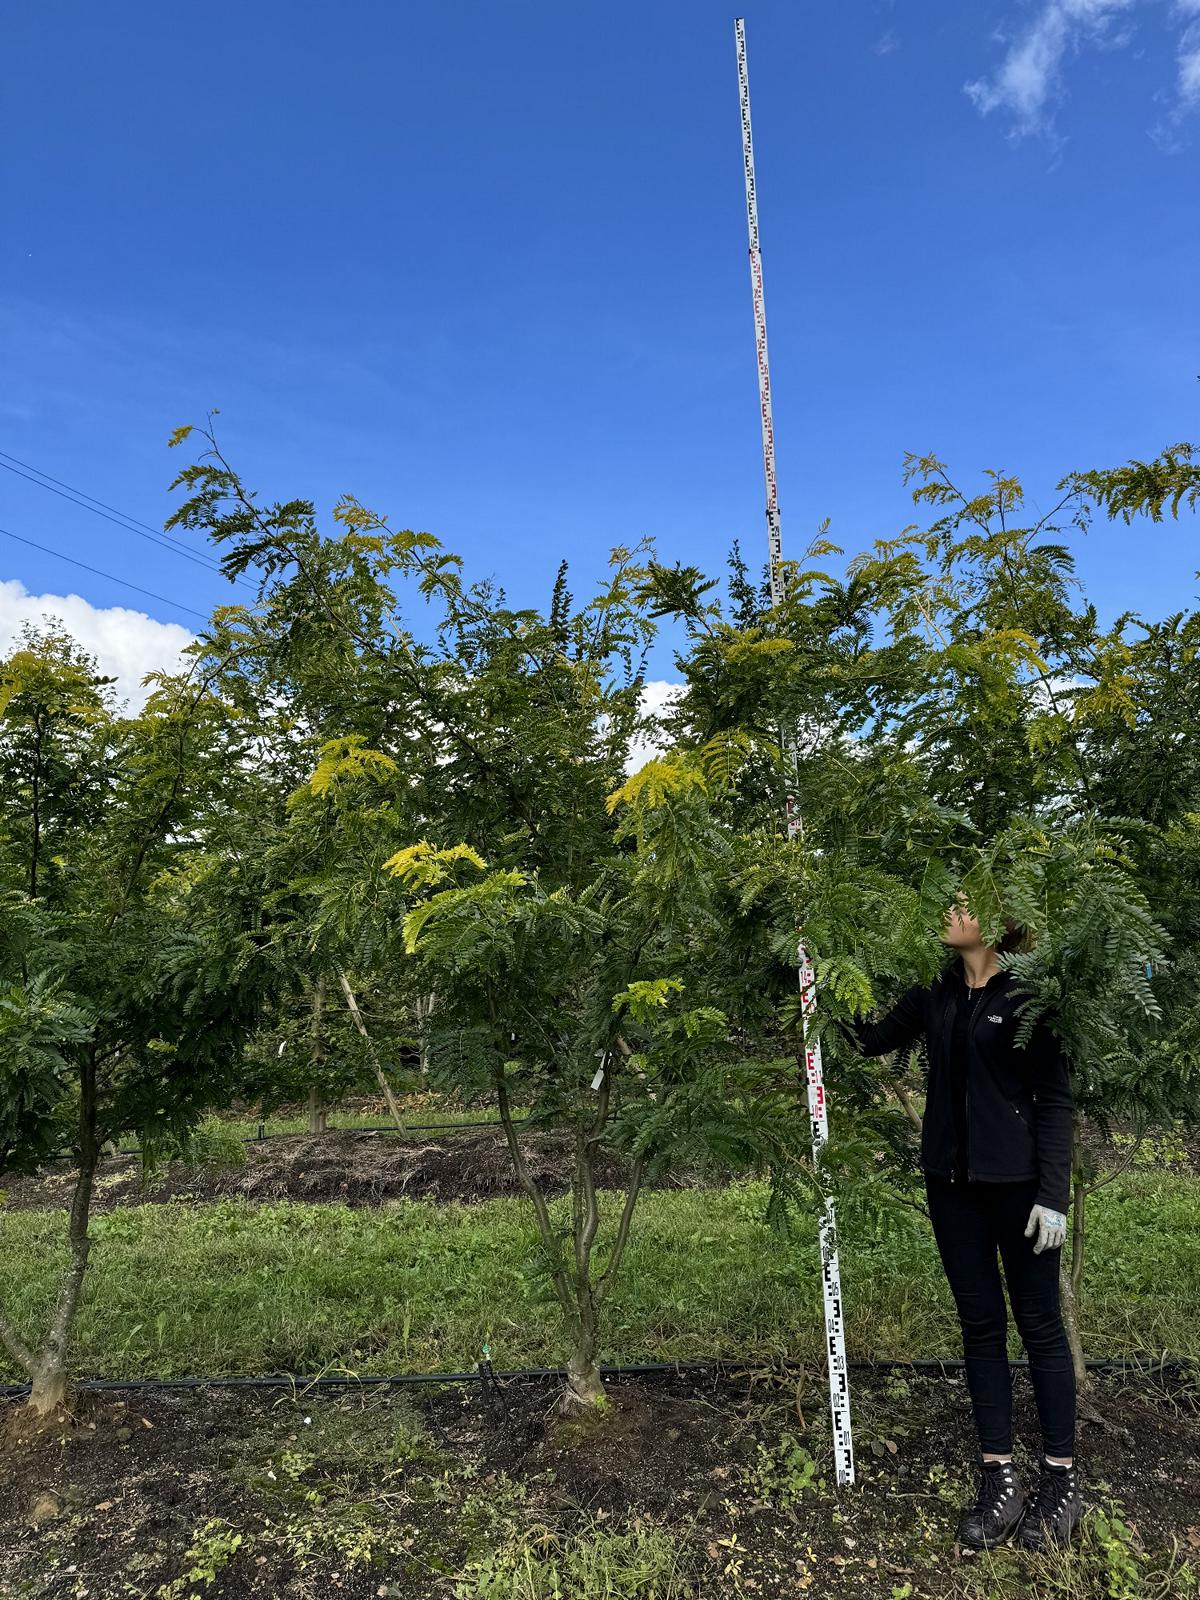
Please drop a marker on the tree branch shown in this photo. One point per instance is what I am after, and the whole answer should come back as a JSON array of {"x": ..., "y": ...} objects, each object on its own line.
[
  {"x": 604, "y": 1282},
  {"x": 15, "y": 1345},
  {"x": 352, "y": 1003},
  {"x": 537, "y": 1200},
  {"x": 1121, "y": 1167},
  {"x": 910, "y": 1110}
]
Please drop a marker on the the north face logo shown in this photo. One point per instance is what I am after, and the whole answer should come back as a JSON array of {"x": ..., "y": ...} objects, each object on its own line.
[{"x": 993, "y": 1018}]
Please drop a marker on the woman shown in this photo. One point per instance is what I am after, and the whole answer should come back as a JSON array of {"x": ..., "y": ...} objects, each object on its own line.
[{"x": 996, "y": 1152}]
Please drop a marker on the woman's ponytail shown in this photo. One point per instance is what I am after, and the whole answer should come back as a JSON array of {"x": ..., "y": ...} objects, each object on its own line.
[{"x": 1016, "y": 938}]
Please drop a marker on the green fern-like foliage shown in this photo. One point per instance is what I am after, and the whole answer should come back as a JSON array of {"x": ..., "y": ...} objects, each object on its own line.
[{"x": 1095, "y": 947}]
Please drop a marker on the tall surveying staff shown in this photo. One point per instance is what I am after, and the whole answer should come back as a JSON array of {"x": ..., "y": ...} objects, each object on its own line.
[{"x": 996, "y": 1152}]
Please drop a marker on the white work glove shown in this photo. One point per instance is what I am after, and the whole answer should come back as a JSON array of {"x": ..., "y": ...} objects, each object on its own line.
[{"x": 1050, "y": 1227}]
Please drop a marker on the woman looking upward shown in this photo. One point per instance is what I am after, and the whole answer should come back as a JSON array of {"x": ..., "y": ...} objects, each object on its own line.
[{"x": 996, "y": 1153}]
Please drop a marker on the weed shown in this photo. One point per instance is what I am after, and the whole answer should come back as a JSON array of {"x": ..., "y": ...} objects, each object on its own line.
[
  {"x": 1109, "y": 1562},
  {"x": 213, "y": 1143},
  {"x": 540, "y": 1563},
  {"x": 213, "y": 1546},
  {"x": 359, "y": 1534},
  {"x": 782, "y": 1473},
  {"x": 1165, "y": 1152}
]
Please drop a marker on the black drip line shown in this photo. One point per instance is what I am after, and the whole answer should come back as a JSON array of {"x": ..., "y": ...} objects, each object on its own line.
[{"x": 489, "y": 1379}]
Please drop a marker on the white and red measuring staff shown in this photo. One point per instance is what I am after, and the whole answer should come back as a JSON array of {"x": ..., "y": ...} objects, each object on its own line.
[{"x": 831, "y": 1278}]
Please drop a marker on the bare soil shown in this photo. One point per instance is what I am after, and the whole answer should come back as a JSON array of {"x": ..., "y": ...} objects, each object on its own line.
[
  {"x": 397, "y": 1494},
  {"x": 349, "y": 1165}
]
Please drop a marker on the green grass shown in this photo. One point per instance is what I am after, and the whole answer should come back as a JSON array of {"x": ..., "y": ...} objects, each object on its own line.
[
  {"x": 601, "y": 1563},
  {"x": 422, "y": 1116},
  {"x": 236, "y": 1288}
]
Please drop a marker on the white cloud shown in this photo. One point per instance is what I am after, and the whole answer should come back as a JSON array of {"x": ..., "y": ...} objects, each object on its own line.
[
  {"x": 887, "y": 43},
  {"x": 1028, "y": 77},
  {"x": 1189, "y": 63},
  {"x": 656, "y": 698},
  {"x": 1028, "y": 81},
  {"x": 127, "y": 644}
]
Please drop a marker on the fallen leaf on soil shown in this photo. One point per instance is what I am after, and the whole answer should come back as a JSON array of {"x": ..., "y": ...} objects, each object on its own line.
[
  {"x": 105, "y": 1505},
  {"x": 1193, "y": 1538}
]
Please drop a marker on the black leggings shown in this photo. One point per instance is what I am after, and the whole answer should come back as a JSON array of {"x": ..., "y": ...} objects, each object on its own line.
[{"x": 971, "y": 1222}]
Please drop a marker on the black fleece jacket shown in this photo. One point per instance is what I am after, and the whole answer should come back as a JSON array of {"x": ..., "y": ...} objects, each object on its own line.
[{"x": 1019, "y": 1106}]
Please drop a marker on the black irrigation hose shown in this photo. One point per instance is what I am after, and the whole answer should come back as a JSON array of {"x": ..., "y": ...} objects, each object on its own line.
[{"x": 484, "y": 1374}]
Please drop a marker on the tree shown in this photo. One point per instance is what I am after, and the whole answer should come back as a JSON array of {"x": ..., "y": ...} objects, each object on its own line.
[
  {"x": 130, "y": 976},
  {"x": 472, "y": 832},
  {"x": 964, "y": 724}
]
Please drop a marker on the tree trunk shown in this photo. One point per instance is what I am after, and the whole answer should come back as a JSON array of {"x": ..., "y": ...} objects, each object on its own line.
[
  {"x": 49, "y": 1388},
  {"x": 49, "y": 1372},
  {"x": 583, "y": 1370},
  {"x": 316, "y": 1055},
  {"x": 541, "y": 1211},
  {"x": 584, "y": 1383},
  {"x": 352, "y": 1003},
  {"x": 579, "y": 1295},
  {"x": 906, "y": 1105},
  {"x": 424, "y": 1009},
  {"x": 316, "y": 1111},
  {"x": 1072, "y": 1270}
]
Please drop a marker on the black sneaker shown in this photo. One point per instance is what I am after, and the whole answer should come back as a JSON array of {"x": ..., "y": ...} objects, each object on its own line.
[
  {"x": 1055, "y": 1510},
  {"x": 999, "y": 1507}
]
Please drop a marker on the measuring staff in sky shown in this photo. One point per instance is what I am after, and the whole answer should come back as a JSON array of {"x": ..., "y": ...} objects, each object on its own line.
[{"x": 996, "y": 1152}]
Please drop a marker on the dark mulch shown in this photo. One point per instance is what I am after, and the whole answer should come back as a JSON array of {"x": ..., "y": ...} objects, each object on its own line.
[
  {"x": 364, "y": 1168},
  {"x": 348, "y": 1165},
  {"x": 107, "y": 1503}
]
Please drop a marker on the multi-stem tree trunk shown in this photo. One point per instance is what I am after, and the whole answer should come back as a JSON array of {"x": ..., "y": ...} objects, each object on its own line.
[
  {"x": 580, "y": 1295},
  {"x": 583, "y": 1369}
]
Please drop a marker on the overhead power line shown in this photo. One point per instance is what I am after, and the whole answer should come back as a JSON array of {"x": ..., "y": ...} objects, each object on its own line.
[
  {"x": 101, "y": 508},
  {"x": 96, "y": 572}
]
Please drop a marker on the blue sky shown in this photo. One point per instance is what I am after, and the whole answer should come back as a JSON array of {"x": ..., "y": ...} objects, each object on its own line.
[{"x": 484, "y": 265}]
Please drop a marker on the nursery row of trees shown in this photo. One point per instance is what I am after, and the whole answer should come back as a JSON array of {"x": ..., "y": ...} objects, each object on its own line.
[{"x": 380, "y": 800}]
